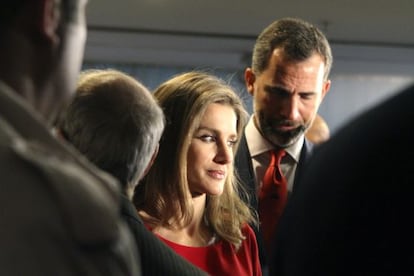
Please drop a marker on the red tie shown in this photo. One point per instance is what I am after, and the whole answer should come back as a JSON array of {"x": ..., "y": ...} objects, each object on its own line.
[{"x": 272, "y": 196}]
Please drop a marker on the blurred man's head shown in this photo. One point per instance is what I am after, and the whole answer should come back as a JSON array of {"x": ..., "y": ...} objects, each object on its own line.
[
  {"x": 41, "y": 48},
  {"x": 116, "y": 123}
]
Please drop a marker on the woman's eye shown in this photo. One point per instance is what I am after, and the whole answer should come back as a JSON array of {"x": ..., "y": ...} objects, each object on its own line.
[
  {"x": 207, "y": 138},
  {"x": 231, "y": 143}
]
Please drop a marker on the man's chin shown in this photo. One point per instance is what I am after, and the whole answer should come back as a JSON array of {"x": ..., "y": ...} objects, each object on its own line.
[{"x": 283, "y": 140}]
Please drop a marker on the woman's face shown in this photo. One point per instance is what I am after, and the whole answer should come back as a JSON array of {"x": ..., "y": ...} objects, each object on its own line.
[{"x": 211, "y": 151}]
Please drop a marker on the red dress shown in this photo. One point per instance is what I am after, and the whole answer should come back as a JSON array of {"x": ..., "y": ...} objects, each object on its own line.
[{"x": 221, "y": 259}]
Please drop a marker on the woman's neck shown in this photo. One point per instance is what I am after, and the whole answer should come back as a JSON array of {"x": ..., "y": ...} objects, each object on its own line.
[{"x": 195, "y": 233}]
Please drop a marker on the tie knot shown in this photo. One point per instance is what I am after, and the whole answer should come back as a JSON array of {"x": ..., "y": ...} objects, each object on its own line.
[{"x": 276, "y": 156}]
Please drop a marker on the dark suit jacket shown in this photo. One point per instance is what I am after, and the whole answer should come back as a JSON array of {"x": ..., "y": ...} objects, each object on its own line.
[
  {"x": 244, "y": 167},
  {"x": 59, "y": 215},
  {"x": 156, "y": 257},
  {"x": 352, "y": 212}
]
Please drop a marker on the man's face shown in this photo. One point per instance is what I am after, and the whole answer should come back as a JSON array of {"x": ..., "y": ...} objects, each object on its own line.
[{"x": 286, "y": 96}]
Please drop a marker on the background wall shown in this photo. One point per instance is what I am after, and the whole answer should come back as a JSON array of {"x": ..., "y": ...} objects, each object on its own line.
[{"x": 362, "y": 75}]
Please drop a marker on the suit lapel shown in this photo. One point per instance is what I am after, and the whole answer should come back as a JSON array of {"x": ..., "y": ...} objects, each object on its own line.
[
  {"x": 305, "y": 155},
  {"x": 244, "y": 169}
]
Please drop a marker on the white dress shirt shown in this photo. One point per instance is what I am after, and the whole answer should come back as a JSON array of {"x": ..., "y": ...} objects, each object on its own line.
[{"x": 259, "y": 151}]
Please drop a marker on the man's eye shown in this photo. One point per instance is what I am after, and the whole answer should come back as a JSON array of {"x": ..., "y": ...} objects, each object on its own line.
[
  {"x": 276, "y": 91},
  {"x": 306, "y": 96}
]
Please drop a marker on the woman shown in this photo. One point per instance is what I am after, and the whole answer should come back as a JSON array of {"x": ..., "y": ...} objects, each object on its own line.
[{"x": 190, "y": 197}]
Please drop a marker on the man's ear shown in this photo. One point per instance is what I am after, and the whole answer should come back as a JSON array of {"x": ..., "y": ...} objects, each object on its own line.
[
  {"x": 326, "y": 87},
  {"x": 49, "y": 19},
  {"x": 42, "y": 17},
  {"x": 249, "y": 79}
]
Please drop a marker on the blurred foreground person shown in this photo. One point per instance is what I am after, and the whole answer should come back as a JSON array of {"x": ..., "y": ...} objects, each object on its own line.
[
  {"x": 60, "y": 216},
  {"x": 351, "y": 215}
]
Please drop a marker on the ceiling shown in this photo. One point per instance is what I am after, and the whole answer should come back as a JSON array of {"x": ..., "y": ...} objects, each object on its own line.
[{"x": 157, "y": 24}]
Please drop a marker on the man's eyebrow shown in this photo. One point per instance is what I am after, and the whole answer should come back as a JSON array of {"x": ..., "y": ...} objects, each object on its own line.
[
  {"x": 276, "y": 89},
  {"x": 281, "y": 90}
]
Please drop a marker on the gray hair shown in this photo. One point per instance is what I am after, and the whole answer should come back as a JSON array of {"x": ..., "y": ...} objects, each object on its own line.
[{"x": 115, "y": 122}]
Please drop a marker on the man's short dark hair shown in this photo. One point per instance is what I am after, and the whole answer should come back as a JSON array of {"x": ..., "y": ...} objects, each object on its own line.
[{"x": 298, "y": 39}]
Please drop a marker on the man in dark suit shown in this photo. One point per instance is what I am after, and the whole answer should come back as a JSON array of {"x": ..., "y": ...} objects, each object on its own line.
[
  {"x": 288, "y": 80},
  {"x": 352, "y": 213},
  {"x": 116, "y": 123}
]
